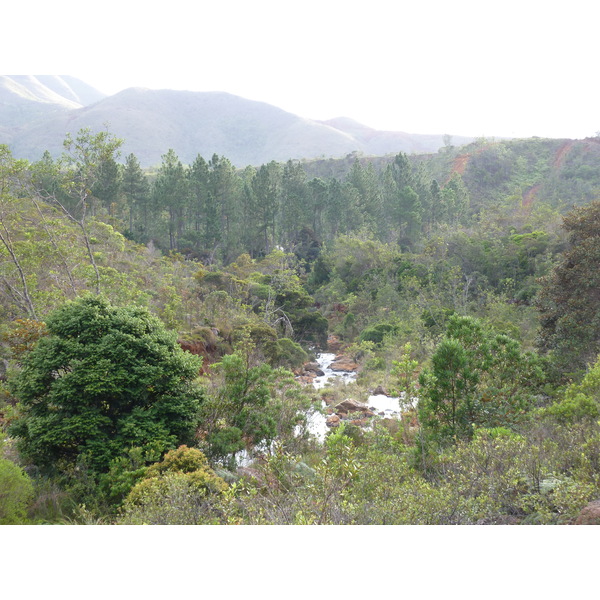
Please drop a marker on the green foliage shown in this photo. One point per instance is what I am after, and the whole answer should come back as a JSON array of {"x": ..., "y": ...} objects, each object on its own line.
[
  {"x": 22, "y": 337},
  {"x": 394, "y": 248},
  {"x": 477, "y": 379},
  {"x": 16, "y": 493},
  {"x": 237, "y": 413},
  {"x": 288, "y": 491},
  {"x": 289, "y": 354},
  {"x": 124, "y": 472},
  {"x": 404, "y": 373},
  {"x": 376, "y": 333},
  {"x": 176, "y": 490},
  {"x": 581, "y": 401},
  {"x": 104, "y": 380},
  {"x": 250, "y": 404},
  {"x": 569, "y": 296}
]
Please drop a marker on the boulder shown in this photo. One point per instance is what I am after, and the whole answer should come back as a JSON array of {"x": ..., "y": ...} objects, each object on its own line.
[
  {"x": 380, "y": 391},
  {"x": 351, "y": 406},
  {"x": 590, "y": 514},
  {"x": 343, "y": 363},
  {"x": 333, "y": 421},
  {"x": 311, "y": 369}
]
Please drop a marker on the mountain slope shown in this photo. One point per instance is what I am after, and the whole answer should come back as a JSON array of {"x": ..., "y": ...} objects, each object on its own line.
[
  {"x": 192, "y": 123},
  {"x": 37, "y": 111},
  {"x": 377, "y": 142},
  {"x": 29, "y": 99},
  {"x": 71, "y": 88}
]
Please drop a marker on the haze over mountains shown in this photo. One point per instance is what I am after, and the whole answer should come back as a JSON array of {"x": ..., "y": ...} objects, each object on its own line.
[{"x": 37, "y": 111}]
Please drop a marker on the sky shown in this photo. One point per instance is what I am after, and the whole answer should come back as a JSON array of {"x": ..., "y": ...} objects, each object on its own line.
[{"x": 460, "y": 67}]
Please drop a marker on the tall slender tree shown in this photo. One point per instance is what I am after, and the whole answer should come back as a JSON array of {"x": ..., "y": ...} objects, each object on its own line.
[
  {"x": 266, "y": 187},
  {"x": 135, "y": 189},
  {"x": 79, "y": 171},
  {"x": 171, "y": 194}
]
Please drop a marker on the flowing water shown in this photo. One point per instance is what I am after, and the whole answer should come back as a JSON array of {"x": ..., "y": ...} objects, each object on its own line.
[
  {"x": 380, "y": 404},
  {"x": 384, "y": 406},
  {"x": 324, "y": 361}
]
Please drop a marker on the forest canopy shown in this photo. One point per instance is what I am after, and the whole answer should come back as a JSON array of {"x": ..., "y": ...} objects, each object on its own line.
[{"x": 159, "y": 329}]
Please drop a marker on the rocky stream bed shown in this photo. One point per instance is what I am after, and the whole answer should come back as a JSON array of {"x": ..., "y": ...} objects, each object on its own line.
[{"x": 329, "y": 368}]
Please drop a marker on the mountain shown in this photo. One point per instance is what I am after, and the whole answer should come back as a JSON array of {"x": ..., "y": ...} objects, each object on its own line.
[
  {"x": 37, "y": 111},
  {"x": 29, "y": 99},
  {"x": 192, "y": 123},
  {"x": 377, "y": 142}
]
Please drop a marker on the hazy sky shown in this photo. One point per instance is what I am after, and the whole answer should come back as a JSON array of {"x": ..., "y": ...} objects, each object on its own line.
[{"x": 510, "y": 68}]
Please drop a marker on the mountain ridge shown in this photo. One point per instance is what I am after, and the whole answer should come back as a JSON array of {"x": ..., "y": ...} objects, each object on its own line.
[{"x": 37, "y": 111}]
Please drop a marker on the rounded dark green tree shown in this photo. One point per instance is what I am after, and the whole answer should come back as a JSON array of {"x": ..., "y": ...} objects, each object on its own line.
[{"x": 104, "y": 380}]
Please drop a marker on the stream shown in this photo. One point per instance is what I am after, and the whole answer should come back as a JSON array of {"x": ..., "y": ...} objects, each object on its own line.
[{"x": 384, "y": 406}]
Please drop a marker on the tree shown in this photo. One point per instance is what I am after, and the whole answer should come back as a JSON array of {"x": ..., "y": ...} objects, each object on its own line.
[
  {"x": 80, "y": 171},
  {"x": 454, "y": 199},
  {"x": 477, "y": 379},
  {"x": 581, "y": 401},
  {"x": 403, "y": 205},
  {"x": 265, "y": 186},
  {"x": 364, "y": 180},
  {"x": 135, "y": 190},
  {"x": 293, "y": 201},
  {"x": 171, "y": 194},
  {"x": 104, "y": 380},
  {"x": 568, "y": 300},
  {"x": 108, "y": 185},
  {"x": 198, "y": 217},
  {"x": 250, "y": 403},
  {"x": 11, "y": 181},
  {"x": 224, "y": 204},
  {"x": 318, "y": 191},
  {"x": 238, "y": 413}
]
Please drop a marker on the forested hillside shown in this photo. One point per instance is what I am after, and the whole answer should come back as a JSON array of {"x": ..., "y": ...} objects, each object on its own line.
[{"x": 158, "y": 328}]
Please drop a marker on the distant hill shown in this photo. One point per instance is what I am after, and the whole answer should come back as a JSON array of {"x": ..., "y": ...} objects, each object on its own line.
[
  {"x": 377, "y": 142},
  {"x": 29, "y": 99},
  {"x": 37, "y": 111}
]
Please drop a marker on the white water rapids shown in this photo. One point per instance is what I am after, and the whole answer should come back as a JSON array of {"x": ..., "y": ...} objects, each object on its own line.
[{"x": 380, "y": 404}]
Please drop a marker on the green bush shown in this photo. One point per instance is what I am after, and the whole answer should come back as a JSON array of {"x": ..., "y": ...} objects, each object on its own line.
[
  {"x": 376, "y": 333},
  {"x": 16, "y": 492},
  {"x": 176, "y": 490}
]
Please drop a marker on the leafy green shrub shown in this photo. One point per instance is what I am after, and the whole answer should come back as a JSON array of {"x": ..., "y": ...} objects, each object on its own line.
[
  {"x": 310, "y": 326},
  {"x": 376, "y": 333},
  {"x": 289, "y": 354},
  {"x": 16, "y": 493},
  {"x": 173, "y": 499},
  {"x": 225, "y": 442},
  {"x": 176, "y": 490}
]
